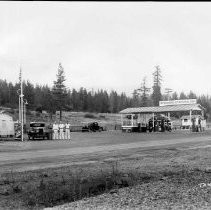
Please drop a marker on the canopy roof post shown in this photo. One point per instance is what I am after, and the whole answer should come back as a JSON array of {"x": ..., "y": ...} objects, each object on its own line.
[
  {"x": 190, "y": 119},
  {"x": 132, "y": 119},
  {"x": 202, "y": 113},
  {"x": 153, "y": 118},
  {"x": 122, "y": 119}
]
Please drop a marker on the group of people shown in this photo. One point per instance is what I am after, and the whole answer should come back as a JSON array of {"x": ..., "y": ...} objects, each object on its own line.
[
  {"x": 61, "y": 130},
  {"x": 159, "y": 125},
  {"x": 198, "y": 124}
]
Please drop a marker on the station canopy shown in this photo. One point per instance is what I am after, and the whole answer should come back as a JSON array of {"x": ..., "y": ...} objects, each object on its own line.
[{"x": 163, "y": 109}]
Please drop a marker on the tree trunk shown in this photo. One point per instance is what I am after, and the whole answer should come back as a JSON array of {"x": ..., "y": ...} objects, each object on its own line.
[{"x": 60, "y": 115}]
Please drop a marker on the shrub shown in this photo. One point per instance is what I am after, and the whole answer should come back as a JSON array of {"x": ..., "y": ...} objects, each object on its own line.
[
  {"x": 88, "y": 115},
  {"x": 102, "y": 116},
  {"x": 17, "y": 189}
]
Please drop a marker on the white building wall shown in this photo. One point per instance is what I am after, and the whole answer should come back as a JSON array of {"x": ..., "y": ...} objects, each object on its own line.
[
  {"x": 186, "y": 123},
  {"x": 6, "y": 125}
]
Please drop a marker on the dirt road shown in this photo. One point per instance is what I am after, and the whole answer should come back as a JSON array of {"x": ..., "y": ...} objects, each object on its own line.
[
  {"x": 20, "y": 155},
  {"x": 41, "y": 154}
]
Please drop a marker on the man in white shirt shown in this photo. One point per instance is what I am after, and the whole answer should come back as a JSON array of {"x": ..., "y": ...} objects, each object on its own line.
[
  {"x": 67, "y": 132},
  {"x": 61, "y": 132},
  {"x": 55, "y": 130}
]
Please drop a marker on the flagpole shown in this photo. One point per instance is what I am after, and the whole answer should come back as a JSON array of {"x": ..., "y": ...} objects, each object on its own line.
[
  {"x": 19, "y": 109},
  {"x": 21, "y": 102}
]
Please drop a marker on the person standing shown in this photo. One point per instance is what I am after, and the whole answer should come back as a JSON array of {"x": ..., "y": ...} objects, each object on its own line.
[
  {"x": 61, "y": 132},
  {"x": 64, "y": 131},
  {"x": 193, "y": 124},
  {"x": 50, "y": 130},
  {"x": 199, "y": 124},
  {"x": 55, "y": 130},
  {"x": 67, "y": 126}
]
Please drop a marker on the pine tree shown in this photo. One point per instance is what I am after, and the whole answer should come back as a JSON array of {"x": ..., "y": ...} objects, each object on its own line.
[
  {"x": 59, "y": 90},
  {"x": 135, "y": 99},
  {"x": 105, "y": 102},
  {"x": 28, "y": 89},
  {"x": 74, "y": 99},
  {"x": 123, "y": 101},
  {"x": 182, "y": 96},
  {"x": 144, "y": 93},
  {"x": 157, "y": 78},
  {"x": 90, "y": 102},
  {"x": 192, "y": 95},
  {"x": 114, "y": 102},
  {"x": 47, "y": 100},
  {"x": 174, "y": 96}
]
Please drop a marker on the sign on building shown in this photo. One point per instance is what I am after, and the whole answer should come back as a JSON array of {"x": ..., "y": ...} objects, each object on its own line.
[{"x": 177, "y": 102}]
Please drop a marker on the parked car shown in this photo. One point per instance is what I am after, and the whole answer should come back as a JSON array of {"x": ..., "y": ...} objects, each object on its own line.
[
  {"x": 39, "y": 130},
  {"x": 93, "y": 126}
]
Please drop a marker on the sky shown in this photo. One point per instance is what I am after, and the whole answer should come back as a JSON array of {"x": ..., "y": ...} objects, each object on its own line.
[{"x": 107, "y": 45}]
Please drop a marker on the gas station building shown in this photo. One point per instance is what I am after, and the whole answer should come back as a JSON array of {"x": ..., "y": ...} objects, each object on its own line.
[{"x": 132, "y": 117}]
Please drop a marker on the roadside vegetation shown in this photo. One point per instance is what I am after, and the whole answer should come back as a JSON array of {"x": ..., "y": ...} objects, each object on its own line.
[{"x": 170, "y": 174}]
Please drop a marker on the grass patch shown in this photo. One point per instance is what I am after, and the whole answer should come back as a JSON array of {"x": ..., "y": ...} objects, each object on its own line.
[
  {"x": 72, "y": 187},
  {"x": 38, "y": 189}
]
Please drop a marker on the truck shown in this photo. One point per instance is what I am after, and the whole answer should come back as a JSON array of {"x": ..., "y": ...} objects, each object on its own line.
[{"x": 39, "y": 130}]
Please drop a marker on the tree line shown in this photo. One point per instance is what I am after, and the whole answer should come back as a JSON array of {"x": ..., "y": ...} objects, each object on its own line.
[
  {"x": 59, "y": 98},
  {"x": 41, "y": 97}
]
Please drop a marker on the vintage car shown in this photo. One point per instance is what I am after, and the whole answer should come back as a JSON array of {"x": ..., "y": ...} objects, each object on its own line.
[
  {"x": 92, "y": 127},
  {"x": 39, "y": 130}
]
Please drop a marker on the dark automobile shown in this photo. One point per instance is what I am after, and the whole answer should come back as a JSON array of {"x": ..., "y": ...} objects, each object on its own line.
[
  {"x": 93, "y": 126},
  {"x": 38, "y": 130}
]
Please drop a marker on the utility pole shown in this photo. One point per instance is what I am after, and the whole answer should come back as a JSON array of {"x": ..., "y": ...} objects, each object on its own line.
[{"x": 21, "y": 103}]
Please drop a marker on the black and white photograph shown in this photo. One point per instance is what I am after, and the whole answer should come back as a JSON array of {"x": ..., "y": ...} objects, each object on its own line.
[{"x": 105, "y": 105}]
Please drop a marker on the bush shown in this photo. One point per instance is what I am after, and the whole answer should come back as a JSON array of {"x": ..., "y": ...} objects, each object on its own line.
[
  {"x": 90, "y": 116},
  {"x": 102, "y": 116}
]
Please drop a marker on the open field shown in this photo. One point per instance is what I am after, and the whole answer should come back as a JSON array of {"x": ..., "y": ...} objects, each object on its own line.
[
  {"x": 167, "y": 164},
  {"x": 108, "y": 120}
]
